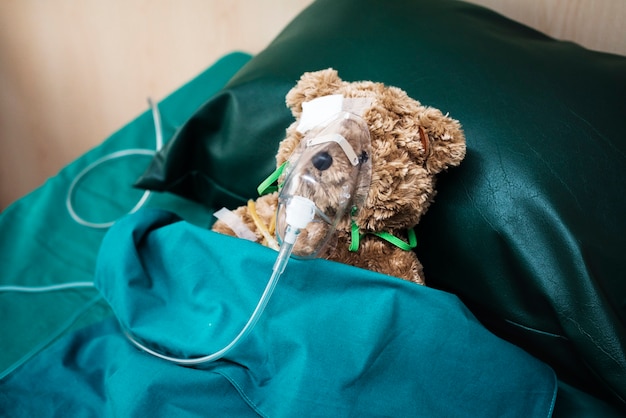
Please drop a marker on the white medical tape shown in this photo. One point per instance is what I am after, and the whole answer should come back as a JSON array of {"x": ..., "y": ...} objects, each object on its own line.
[
  {"x": 322, "y": 109},
  {"x": 235, "y": 223},
  {"x": 318, "y": 111}
]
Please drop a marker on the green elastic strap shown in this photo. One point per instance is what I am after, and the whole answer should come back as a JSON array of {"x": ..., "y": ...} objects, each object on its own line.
[
  {"x": 406, "y": 246},
  {"x": 355, "y": 238},
  {"x": 268, "y": 186},
  {"x": 398, "y": 242}
]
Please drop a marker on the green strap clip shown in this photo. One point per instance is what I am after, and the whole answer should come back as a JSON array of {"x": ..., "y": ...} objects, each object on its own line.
[{"x": 268, "y": 186}]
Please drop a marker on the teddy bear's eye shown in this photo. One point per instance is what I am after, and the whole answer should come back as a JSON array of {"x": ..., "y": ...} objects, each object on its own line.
[{"x": 322, "y": 161}]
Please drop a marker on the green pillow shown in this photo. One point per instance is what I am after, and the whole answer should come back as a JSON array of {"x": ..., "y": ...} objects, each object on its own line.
[{"x": 530, "y": 230}]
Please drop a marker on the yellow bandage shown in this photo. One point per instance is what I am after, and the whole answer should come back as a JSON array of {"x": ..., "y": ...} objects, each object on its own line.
[{"x": 269, "y": 241}]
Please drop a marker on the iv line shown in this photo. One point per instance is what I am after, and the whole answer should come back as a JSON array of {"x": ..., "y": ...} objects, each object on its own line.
[
  {"x": 44, "y": 289},
  {"x": 156, "y": 116},
  {"x": 252, "y": 320}
]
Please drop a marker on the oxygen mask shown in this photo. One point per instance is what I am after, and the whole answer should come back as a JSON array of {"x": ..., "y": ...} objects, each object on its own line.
[{"x": 331, "y": 170}]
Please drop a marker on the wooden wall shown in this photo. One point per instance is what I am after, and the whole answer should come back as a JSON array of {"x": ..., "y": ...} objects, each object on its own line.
[
  {"x": 74, "y": 71},
  {"x": 596, "y": 24}
]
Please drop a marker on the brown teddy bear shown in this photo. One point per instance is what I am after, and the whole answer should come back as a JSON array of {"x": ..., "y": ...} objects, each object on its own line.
[{"x": 371, "y": 176}]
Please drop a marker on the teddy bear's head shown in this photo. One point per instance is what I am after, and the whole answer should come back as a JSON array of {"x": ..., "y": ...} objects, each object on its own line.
[{"x": 407, "y": 145}]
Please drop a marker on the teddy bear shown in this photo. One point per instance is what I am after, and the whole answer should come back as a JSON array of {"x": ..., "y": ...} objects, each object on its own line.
[{"x": 394, "y": 144}]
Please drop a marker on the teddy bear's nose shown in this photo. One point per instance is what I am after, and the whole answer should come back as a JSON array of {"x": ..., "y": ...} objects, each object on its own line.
[{"x": 322, "y": 161}]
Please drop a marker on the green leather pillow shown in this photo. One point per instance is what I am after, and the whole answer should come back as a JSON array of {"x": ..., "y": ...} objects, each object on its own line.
[{"x": 530, "y": 230}]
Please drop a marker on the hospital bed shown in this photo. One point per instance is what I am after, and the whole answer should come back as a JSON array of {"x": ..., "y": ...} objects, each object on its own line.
[{"x": 523, "y": 250}]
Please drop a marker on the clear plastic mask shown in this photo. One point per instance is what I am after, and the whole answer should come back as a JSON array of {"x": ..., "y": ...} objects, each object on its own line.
[{"x": 332, "y": 169}]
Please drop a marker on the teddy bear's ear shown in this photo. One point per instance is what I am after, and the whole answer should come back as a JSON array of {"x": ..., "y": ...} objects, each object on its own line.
[
  {"x": 443, "y": 140},
  {"x": 312, "y": 85}
]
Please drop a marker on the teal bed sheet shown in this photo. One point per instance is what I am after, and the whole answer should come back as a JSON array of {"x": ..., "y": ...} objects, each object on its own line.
[
  {"x": 40, "y": 244},
  {"x": 334, "y": 341}
]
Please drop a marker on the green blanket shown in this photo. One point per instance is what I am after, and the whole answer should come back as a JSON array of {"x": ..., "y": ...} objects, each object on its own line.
[{"x": 334, "y": 340}]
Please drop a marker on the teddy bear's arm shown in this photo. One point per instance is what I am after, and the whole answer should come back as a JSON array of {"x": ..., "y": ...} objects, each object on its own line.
[{"x": 258, "y": 216}]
